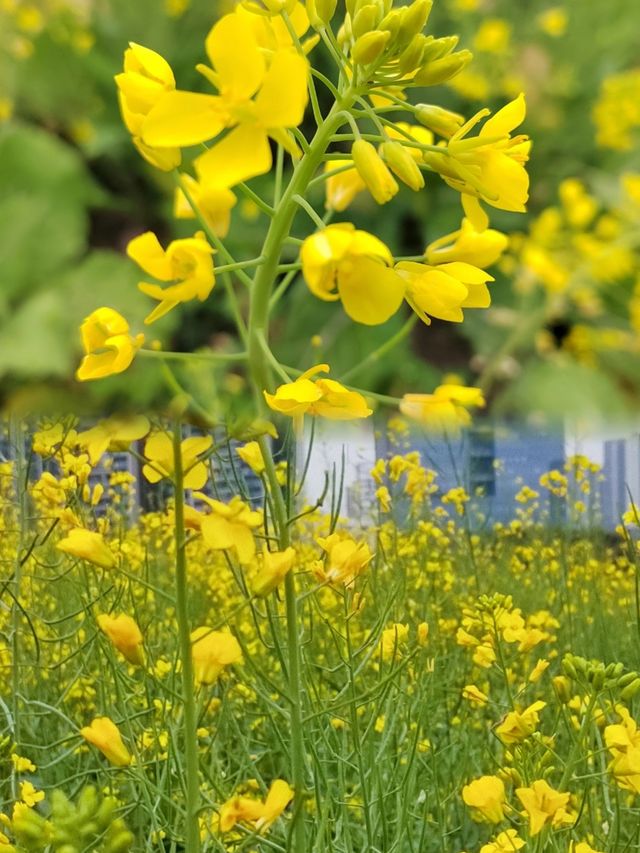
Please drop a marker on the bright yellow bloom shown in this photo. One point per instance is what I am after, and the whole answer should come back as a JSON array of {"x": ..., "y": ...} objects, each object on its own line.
[
  {"x": 108, "y": 345},
  {"x": 274, "y": 566},
  {"x": 240, "y": 72},
  {"x": 582, "y": 847},
  {"x": 444, "y": 411},
  {"x": 87, "y": 545},
  {"x": 493, "y": 36},
  {"x": 158, "y": 450},
  {"x": 554, "y": 22},
  {"x": 22, "y": 764},
  {"x": 260, "y": 813},
  {"x": 342, "y": 188},
  {"x": 114, "y": 433},
  {"x": 186, "y": 262},
  {"x": 443, "y": 291},
  {"x": 125, "y": 635},
  {"x": 211, "y": 652},
  {"x": 213, "y": 201},
  {"x": 105, "y": 736},
  {"x": 504, "y": 842},
  {"x": 324, "y": 397},
  {"x": 146, "y": 78},
  {"x": 519, "y": 725},
  {"x": 474, "y": 695},
  {"x": 478, "y": 248},
  {"x": 544, "y": 805},
  {"x": 623, "y": 741},
  {"x": 343, "y": 263},
  {"x": 486, "y": 798},
  {"x": 490, "y": 166},
  {"x": 391, "y": 639},
  {"x": 29, "y": 795},
  {"x": 230, "y": 526},
  {"x": 346, "y": 559},
  {"x": 251, "y": 455}
]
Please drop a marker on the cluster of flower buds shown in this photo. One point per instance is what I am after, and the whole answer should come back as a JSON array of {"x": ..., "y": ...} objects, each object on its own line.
[
  {"x": 596, "y": 676},
  {"x": 389, "y": 44}
]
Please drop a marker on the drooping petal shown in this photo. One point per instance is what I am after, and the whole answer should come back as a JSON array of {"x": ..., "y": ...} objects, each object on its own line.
[
  {"x": 509, "y": 178},
  {"x": 474, "y": 212},
  {"x": 242, "y": 154},
  {"x": 196, "y": 476},
  {"x": 370, "y": 291},
  {"x": 184, "y": 118}
]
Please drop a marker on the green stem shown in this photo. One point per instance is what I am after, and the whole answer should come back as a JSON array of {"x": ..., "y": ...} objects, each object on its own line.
[
  {"x": 382, "y": 350},
  {"x": 190, "y": 746},
  {"x": 293, "y": 651}
]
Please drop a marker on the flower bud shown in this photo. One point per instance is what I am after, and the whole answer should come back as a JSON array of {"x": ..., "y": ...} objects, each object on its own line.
[
  {"x": 415, "y": 18},
  {"x": 365, "y": 20},
  {"x": 411, "y": 56},
  {"x": 561, "y": 686},
  {"x": 369, "y": 47},
  {"x": 437, "y": 48},
  {"x": 392, "y": 22},
  {"x": 626, "y": 679},
  {"x": 373, "y": 171},
  {"x": 630, "y": 690},
  {"x": 321, "y": 12},
  {"x": 439, "y": 120},
  {"x": 402, "y": 164},
  {"x": 434, "y": 73}
]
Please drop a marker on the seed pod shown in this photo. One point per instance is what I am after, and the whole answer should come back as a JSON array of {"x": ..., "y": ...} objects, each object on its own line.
[
  {"x": 369, "y": 47},
  {"x": 434, "y": 73},
  {"x": 402, "y": 164}
]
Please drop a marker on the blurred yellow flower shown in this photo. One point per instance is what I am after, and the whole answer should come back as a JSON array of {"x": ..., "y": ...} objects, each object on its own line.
[
  {"x": 158, "y": 450},
  {"x": 273, "y": 567},
  {"x": 214, "y": 203},
  {"x": 211, "y": 652},
  {"x": 87, "y": 545},
  {"x": 105, "y": 736},
  {"x": 544, "y": 805},
  {"x": 186, "y": 262},
  {"x": 108, "y": 345},
  {"x": 345, "y": 559},
  {"x": 343, "y": 187},
  {"x": 114, "y": 433},
  {"x": 324, "y": 397},
  {"x": 125, "y": 635},
  {"x": 230, "y": 527},
  {"x": 519, "y": 725},
  {"x": 444, "y": 411},
  {"x": 261, "y": 814},
  {"x": 486, "y": 798}
]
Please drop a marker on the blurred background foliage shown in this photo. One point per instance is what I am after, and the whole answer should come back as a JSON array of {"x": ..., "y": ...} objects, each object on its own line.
[{"x": 564, "y": 329}]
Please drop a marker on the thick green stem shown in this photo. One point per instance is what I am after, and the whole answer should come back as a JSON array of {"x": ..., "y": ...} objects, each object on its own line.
[
  {"x": 277, "y": 234},
  {"x": 190, "y": 745}
]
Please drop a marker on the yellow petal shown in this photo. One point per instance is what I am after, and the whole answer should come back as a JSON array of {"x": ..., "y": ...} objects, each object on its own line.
[
  {"x": 474, "y": 212},
  {"x": 234, "y": 53},
  {"x": 242, "y": 154},
  {"x": 147, "y": 252},
  {"x": 283, "y": 97},
  {"x": 370, "y": 292},
  {"x": 505, "y": 120},
  {"x": 184, "y": 118}
]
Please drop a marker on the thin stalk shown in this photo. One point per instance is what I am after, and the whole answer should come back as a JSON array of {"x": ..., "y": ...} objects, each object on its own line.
[{"x": 190, "y": 719}]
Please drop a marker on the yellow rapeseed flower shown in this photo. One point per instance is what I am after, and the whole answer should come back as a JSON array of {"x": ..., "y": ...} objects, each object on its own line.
[
  {"x": 544, "y": 805},
  {"x": 486, "y": 798},
  {"x": 230, "y": 527},
  {"x": 125, "y": 635},
  {"x": 444, "y": 411},
  {"x": 108, "y": 345},
  {"x": 343, "y": 263},
  {"x": 87, "y": 545},
  {"x": 105, "y": 736},
  {"x": 323, "y": 397},
  {"x": 158, "y": 450},
  {"x": 186, "y": 262},
  {"x": 211, "y": 652}
]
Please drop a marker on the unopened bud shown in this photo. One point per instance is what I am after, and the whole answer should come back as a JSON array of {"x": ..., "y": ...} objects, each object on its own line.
[
  {"x": 437, "y": 48},
  {"x": 626, "y": 679},
  {"x": 562, "y": 687},
  {"x": 443, "y": 122},
  {"x": 373, "y": 171},
  {"x": 320, "y": 12},
  {"x": 630, "y": 690},
  {"x": 402, "y": 164},
  {"x": 392, "y": 22},
  {"x": 411, "y": 56},
  {"x": 369, "y": 47},
  {"x": 434, "y": 73},
  {"x": 415, "y": 18},
  {"x": 365, "y": 20}
]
